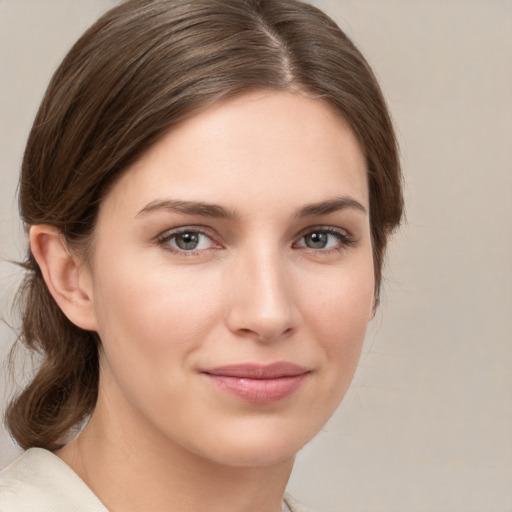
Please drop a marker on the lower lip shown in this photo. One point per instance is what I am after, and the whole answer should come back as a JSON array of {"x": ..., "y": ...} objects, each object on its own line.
[{"x": 259, "y": 390}]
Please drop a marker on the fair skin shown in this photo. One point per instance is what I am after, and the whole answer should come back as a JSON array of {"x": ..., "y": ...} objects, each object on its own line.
[{"x": 240, "y": 240}]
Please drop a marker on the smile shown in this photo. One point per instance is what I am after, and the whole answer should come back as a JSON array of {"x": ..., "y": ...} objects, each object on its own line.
[{"x": 258, "y": 383}]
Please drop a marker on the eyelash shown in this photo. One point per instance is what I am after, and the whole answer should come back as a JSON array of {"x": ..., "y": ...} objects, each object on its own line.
[
  {"x": 164, "y": 239},
  {"x": 345, "y": 240}
]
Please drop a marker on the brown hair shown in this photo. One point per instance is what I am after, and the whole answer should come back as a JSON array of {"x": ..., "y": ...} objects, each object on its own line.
[{"x": 140, "y": 69}]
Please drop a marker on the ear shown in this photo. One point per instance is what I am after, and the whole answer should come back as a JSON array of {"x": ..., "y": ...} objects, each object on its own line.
[{"x": 66, "y": 275}]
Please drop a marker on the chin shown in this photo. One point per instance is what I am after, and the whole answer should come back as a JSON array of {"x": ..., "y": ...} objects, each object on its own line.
[
  {"x": 252, "y": 456},
  {"x": 255, "y": 444}
]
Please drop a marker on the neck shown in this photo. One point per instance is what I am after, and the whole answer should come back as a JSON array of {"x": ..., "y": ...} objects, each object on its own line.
[{"x": 133, "y": 469}]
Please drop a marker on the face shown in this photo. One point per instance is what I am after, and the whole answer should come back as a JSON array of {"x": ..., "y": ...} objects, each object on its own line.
[{"x": 232, "y": 280}]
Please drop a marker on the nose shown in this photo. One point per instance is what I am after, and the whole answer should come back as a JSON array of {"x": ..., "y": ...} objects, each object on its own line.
[{"x": 262, "y": 302}]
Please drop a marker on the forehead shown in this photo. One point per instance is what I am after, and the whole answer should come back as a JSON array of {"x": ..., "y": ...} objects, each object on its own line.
[{"x": 272, "y": 148}]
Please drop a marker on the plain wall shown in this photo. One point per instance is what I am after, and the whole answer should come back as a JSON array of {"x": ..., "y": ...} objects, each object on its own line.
[{"x": 427, "y": 423}]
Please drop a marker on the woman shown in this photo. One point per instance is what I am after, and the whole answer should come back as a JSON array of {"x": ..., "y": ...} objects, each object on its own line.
[{"x": 208, "y": 187}]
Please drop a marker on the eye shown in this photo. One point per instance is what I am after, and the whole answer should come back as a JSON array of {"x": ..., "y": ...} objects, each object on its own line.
[
  {"x": 319, "y": 240},
  {"x": 186, "y": 240},
  {"x": 325, "y": 239}
]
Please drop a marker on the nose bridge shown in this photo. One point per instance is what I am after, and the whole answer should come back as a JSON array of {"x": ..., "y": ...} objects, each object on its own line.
[{"x": 262, "y": 299}]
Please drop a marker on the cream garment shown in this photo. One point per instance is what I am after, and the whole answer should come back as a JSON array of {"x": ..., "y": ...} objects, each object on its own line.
[{"x": 41, "y": 482}]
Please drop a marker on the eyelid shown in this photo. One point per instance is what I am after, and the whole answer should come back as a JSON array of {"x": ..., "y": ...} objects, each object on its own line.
[
  {"x": 345, "y": 237},
  {"x": 326, "y": 228},
  {"x": 168, "y": 234}
]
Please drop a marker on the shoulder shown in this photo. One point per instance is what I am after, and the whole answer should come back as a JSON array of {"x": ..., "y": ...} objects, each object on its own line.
[
  {"x": 40, "y": 482},
  {"x": 294, "y": 505}
]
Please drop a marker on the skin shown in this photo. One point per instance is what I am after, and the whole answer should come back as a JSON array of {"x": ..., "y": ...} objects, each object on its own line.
[{"x": 254, "y": 290}]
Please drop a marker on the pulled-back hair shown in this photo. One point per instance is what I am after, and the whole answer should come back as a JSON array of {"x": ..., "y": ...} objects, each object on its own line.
[{"x": 139, "y": 70}]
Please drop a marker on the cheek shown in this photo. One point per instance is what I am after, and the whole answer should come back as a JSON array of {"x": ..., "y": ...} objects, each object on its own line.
[
  {"x": 151, "y": 327},
  {"x": 338, "y": 315},
  {"x": 152, "y": 317}
]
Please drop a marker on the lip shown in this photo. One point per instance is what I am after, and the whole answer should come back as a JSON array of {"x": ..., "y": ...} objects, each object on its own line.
[{"x": 258, "y": 383}]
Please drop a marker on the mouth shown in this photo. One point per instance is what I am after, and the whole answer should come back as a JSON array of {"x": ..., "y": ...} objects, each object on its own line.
[{"x": 258, "y": 383}]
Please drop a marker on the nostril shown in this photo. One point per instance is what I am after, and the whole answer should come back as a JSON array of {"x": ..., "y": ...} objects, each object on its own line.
[{"x": 265, "y": 335}]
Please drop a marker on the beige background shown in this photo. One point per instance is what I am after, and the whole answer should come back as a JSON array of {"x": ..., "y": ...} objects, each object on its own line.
[{"x": 427, "y": 424}]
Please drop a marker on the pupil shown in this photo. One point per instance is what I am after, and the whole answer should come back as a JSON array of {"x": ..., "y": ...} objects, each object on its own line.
[
  {"x": 316, "y": 240},
  {"x": 187, "y": 241}
]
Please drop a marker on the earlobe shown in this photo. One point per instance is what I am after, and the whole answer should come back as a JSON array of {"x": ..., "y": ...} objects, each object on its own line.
[{"x": 65, "y": 275}]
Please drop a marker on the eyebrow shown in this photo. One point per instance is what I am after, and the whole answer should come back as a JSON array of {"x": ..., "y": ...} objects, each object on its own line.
[
  {"x": 330, "y": 206},
  {"x": 219, "y": 212},
  {"x": 189, "y": 208}
]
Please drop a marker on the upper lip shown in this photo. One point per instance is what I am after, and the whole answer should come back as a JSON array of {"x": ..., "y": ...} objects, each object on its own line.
[{"x": 258, "y": 371}]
